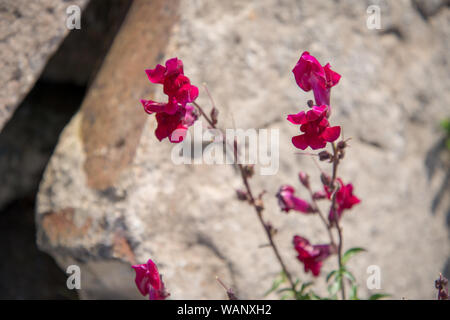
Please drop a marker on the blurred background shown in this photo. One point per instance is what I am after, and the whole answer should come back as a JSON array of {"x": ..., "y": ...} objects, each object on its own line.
[{"x": 84, "y": 181}]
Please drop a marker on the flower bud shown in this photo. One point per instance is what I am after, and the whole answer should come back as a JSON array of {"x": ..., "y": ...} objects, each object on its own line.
[
  {"x": 249, "y": 170},
  {"x": 304, "y": 179},
  {"x": 324, "y": 155},
  {"x": 214, "y": 115},
  {"x": 242, "y": 195},
  {"x": 319, "y": 195},
  {"x": 326, "y": 179}
]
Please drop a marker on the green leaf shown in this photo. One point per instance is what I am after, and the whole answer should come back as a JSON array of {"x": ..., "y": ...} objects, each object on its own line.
[
  {"x": 304, "y": 286},
  {"x": 276, "y": 283},
  {"x": 378, "y": 296},
  {"x": 349, "y": 275},
  {"x": 314, "y": 296},
  {"x": 286, "y": 290},
  {"x": 287, "y": 295},
  {"x": 331, "y": 274},
  {"x": 350, "y": 253},
  {"x": 445, "y": 124},
  {"x": 334, "y": 288},
  {"x": 354, "y": 292}
]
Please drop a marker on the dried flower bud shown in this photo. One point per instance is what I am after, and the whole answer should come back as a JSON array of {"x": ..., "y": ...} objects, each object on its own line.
[
  {"x": 249, "y": 170},
  {"x": 326, "y": 179},
  {"x": 259, "y": 204},
  {"x": 214, "y": 115},
  {"x": 270, "y": 228},
  {"x": 442, "y": 285},
  {"x": 324, "y": 155},
  {"x": 310, "y": 103},
  {"x": 319, "y": 195},
  {"x": 341, "y": 154},
  {"x": 242, "y": 195},
  {"x": 304, "y": 179},
  {"x": 341, "y": 145}
]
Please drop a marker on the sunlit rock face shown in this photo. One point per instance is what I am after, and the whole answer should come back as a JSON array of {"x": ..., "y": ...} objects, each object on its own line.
[{"x": 111, "y": 196}]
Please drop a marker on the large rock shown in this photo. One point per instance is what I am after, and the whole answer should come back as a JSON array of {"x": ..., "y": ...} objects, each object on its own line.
[
  {"x": 30, "y": 32},
  {"x": 111, "y": 196}
]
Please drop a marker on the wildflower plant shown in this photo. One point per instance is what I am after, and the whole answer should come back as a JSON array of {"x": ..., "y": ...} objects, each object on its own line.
[{"x": 316, "y": 132}]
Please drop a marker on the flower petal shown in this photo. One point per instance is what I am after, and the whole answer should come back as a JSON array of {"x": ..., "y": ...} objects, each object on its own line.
[
  {"x": 156, "y": 75},
  {"x": 300, "y": 142},
  {"x": 330, "y": 134}
]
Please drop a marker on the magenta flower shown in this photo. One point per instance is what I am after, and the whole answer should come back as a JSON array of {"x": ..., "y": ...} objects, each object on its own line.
[
  {"x": 316, "y": 128},
  {"x": 148, "y": 281},
  {"x": 344, "y": 199},
  {"x": 287, "y": 201},
  {"x": 309, "y": 74},
  {"x": 312, "y": 256},
  {"x": 174, "y": 116}
]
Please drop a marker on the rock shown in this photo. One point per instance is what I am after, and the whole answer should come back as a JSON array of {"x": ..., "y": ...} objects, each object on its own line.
[
  {"x": 80, "y": 55},
  {"x": 28, "y": 139},
  {"x": 111, "y": 196},
  {"x": 29, "y": 34}
]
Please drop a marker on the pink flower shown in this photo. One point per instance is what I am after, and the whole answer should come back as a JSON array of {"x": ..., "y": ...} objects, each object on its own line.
[
  {"x": 174, "y": 126},
  {"x": 309, "y": 74},
  {"x": 344, "y": 199},
  {"x": 148, "y": 281},
  {"x": 311, "y": 256},
  {"x": 175, "y": 115},
  {"x": 316, "y": 128},
  {"x": 287, "y": 201},
  {"x": 176, "y": 85}
]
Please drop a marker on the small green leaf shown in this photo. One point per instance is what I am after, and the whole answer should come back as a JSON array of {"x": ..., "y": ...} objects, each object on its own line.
[
  {"x": 445, "y": 124},
  {"x": 304, "y": 286},
  {"x": 354, "y": 292},
  {"x": 314, "y": 296},
  {"x": 334, "y": 288},
  {"x": 331, "y": 274},
  {"x": 349, "y": 275},
  {"x": 286, "y": 290},
  {"x": 350, "y": 253},
  {"x": 287, "y": 295},
  {"x": 276, "y": 283},
  {"x": 378, "y": 296}
]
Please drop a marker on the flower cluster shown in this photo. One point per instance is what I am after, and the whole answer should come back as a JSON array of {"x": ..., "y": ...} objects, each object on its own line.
[
  {"x": 316, "y": 133},
  {"x": 176, "y": 115},
  {"x": 149, "y": 281},
  {"x": 311, "y": 75}
]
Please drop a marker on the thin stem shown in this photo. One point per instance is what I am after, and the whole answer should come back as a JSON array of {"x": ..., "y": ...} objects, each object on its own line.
[
  {"x": 211, "y": 123},
  {"x": 322, "y": 217},
  {"x": 336, "y": 219},
  {"x": 258, "y": 208}
]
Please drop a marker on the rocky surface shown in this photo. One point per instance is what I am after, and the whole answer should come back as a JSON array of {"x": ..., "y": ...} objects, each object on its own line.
[
  {"x": 30, "y": 32},
  {"x": 27, "y": 141},
  {"x": 111, "y": 196}
]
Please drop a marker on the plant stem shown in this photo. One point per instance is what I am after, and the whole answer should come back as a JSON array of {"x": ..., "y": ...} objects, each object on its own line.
[
  {"x": 258, "y": 209},
  {"x": 336, "y": 219},
  {"x": 322, "y": 217}
]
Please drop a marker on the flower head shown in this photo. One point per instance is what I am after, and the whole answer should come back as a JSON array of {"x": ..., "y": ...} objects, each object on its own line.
[
  {"x": 148, "y": 281},
  {"x": 344, "y": 199},
  {"x": 315, "y": 127},
  {"x": 175, "y": 114},
  {"x": 287, "y": 201},
  {"x": 311, "y": 256},
  {"x": 309, "y": 74}
]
